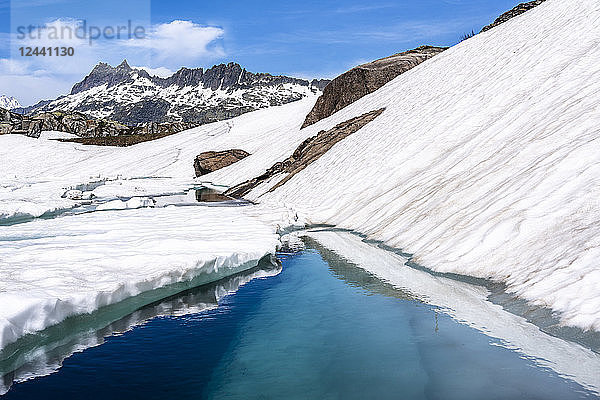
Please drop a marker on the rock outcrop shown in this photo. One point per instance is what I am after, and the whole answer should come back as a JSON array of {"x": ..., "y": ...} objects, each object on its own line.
[
  {"x": 90, "y": 131},
  {"x": 309, "y": 151},
  {"x": 81, "y": 125},
  {"x": 211, "y": 161},
  {"x": 518, "y": 10},
  {"x": 365, "y": 79},
  {"x": 13, "y": 123}
]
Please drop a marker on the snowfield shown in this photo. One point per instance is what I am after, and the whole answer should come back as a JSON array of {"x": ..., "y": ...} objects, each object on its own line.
[
  {"x": 91, "y": 249},
  {"x": 486, "y": 162}
]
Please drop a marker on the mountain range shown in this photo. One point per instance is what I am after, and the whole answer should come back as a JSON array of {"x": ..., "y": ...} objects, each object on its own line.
[{"x": 132, "y": 96}]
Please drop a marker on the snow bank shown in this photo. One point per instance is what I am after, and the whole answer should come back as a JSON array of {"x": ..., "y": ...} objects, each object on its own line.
[
  {"x": 468, "y": 305},
  {"x": 35, "y": 174},
  {"x": 53, "y": 269},
  {"x": 485, "y": 162}
]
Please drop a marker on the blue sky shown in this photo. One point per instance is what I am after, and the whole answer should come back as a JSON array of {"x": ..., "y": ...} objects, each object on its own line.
[{"x": 305, "y": 38}]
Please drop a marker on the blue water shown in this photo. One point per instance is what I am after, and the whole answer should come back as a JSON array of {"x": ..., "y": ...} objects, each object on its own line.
[{"x": 318, "y": 330}]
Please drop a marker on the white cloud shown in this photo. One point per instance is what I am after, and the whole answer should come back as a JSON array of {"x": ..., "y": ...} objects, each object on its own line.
[
  {"x": 27, "y": 86},
  {"x": 166, "y": 48},
  {"x": 181, "y": 42},
  {"x": 58, "y": 33},
  {"x": 34, "y": 78}
]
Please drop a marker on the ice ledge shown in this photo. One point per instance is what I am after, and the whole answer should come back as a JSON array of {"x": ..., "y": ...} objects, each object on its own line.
[{"x": 51, "y": 270}]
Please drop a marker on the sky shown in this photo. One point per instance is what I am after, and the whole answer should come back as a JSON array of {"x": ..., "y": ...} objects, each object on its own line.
[{"x": 306, "y": 39}]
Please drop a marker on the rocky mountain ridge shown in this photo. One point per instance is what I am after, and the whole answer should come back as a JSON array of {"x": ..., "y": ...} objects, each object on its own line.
[
  {"x": 516, "y": 11},
  {"x": 132, "y": 96}
]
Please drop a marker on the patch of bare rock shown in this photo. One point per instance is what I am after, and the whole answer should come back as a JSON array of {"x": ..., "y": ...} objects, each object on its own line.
[
  {"x": 516, "y": 11},
  {"x": 308, "y": 152},
  {"x": 13, "y": 123},
  {"x": 210, "y": 161},
  {"x": 364, "y": 79}
]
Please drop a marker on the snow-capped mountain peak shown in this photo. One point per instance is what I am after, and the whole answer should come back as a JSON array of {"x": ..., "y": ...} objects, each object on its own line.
[
  {"x": 133, "y": 96},
  {"x": 8, "y": 102}
]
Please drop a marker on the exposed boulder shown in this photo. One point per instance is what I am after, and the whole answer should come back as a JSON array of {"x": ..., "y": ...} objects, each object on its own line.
[
  {"x": 518, "y": 10},
  {"x": 365, "y": 79},
  {"x": 309, "y": 151},
  {"x": 211, "y": 161},
  {"x": 208, "y": 195}
]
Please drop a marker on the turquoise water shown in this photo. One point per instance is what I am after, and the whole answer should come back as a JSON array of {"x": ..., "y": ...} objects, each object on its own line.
[{"x": 321, "y": 329}]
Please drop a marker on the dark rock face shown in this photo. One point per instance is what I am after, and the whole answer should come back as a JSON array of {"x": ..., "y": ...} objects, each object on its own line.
[
  {"x": 518, "y": 10},
  {"x": 104, "y": 73},
  {"x": 309, "y": 151},
  {"x": 37, "y": 106},
  {"x": 211, "y": 161},
  {"x": 13, "y": 123},
  {"x": 213, "y": 114},
  {"x": 141, "y": 112},
  {"x": 365, "y": 79}
]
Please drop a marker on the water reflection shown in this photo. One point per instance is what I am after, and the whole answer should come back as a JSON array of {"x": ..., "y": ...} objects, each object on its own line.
[
  {"x": 199, "y": 196},
  {"x": 43, "y": 353},
  {"x": 208, "y": 195},
  {"x": 466, "y": 303},
  {"x": 345, "y": 319}
]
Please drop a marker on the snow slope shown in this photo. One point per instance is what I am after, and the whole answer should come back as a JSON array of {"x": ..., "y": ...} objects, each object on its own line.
[{"x": 486, "y": 161}]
